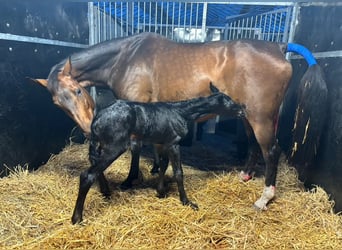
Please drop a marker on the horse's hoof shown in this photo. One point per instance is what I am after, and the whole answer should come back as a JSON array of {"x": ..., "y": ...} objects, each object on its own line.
[
  {"x": 154, "y": 170},
  {"x": 76, "y": 219},
  {"x": 245, "y": 176},
  {"x": 107, "y": 197},
  {"x": 126, "y": 185},
  {"x": 259, "y": 207},
  {"x": 194, "y": 206},
  {"x": 161, "y": 193}
]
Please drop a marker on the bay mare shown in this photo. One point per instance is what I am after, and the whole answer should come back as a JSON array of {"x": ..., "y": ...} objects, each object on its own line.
[{"x": 149, "y": 68}]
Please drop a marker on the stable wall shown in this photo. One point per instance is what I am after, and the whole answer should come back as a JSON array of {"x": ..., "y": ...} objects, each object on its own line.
[
  {"x": 31, "y": 126},
  {"x": 319, "y": 29}
]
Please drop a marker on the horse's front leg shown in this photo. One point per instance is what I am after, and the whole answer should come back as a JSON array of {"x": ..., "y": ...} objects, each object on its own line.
[
  {"x": 133, "y": 174},
  {"x": 174, "y": 155},
  {"x": 100, "y": 159},
  {"x": 87, "y": 178}
]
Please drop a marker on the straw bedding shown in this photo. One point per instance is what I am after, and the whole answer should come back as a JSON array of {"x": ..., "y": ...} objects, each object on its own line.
[{"x": 36, "y": 209}]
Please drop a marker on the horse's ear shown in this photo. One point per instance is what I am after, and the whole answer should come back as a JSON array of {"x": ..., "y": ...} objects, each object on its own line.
[
  {"x": 67, "y": 67},
  {"x": 42, "y": 82}
]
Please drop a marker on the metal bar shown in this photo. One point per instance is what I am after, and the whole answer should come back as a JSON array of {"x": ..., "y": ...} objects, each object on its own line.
[
  {"x": 98, "y": 16},
  {"x": 161, "y": 18},
  {"x": 121, "y": 20},
  {"x": 127, "y": 16},
  {"x": 144, "y": 18},
  {"x": 104, "y": 23},
  {"x": 111, "y": 23},
  {"x": 204, "y": 17},
  {"x": 91, "y": 23},
  {"x": 115, "y": 22},
  {"x": 150, "y": 17},
  {"x": 138, "y": 18},
  {"x": 173, "y": 21},
  {"x": 16, "y": 38},
  {"x": 288, "y": 23},
  {"x": 91, "y": 39},
  {"x": 325, "y": 54},
  {"x": 167, "y": 19},
  {"x": 184, "y": 23},
  {"x": 179, "y": 11},
  {"x": 190, "y": 21}
]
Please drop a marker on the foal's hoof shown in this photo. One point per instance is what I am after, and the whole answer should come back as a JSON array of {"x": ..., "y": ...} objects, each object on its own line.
[
  {"x": 126, "y": 185},
  {"x": 155, "y": 170},
  {"x": 76, "y": 218},
  {"x": 161, "y": 194},
  {"x": 194, "y": 206}
]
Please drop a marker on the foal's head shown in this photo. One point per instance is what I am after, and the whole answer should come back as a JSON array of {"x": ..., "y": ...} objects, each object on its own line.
[
  {"x": 69, "y": 95},
  {"x": 226, "y": 105}
]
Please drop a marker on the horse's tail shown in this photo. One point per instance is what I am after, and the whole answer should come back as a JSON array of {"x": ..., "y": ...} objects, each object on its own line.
[{"x": 310, "y": 112}]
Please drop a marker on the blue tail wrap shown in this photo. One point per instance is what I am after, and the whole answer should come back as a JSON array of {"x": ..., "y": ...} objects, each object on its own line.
[{"x": 301, "y": 50}]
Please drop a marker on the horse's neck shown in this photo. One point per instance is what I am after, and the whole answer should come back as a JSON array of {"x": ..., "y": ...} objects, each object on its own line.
[
  {"x": 93, "y": 66},
  {"x": 198, "y": 107}
]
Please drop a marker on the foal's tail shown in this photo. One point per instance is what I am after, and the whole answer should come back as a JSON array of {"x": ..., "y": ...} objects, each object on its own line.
[{"x": 310, "y": 112}]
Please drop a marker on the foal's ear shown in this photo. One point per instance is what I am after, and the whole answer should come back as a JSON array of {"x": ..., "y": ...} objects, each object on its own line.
[
  {"x": 67, "y": 67},
  {"x": 42, "y": 82},
  {"x": 213, "y": 89}
]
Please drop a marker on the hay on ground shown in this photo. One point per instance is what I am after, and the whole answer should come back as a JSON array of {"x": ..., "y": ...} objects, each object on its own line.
[{"x": 36, "y": 209}]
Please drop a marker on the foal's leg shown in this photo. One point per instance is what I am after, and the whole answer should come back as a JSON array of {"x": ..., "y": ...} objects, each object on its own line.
[
  {"x": 163, "y": 164},
  {"x": 99, "y": 162},
  {"x": 157, "y": 151},
  {"x": 271, "y": 153},
  {"x": 174, "y": 155},
  {"x": 103, "y": 183},
  {"x": 134, "y": 169}
]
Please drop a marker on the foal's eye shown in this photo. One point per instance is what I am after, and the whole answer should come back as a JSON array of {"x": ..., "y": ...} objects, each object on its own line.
[{"x": 78, "y": 92}]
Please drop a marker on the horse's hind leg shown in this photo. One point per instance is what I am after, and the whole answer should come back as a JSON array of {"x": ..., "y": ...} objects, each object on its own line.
[
  {"x": 174, "y": 155},
  {"x": 104, "y": 187},
  {"x": 271, "y": 153},
  {"x": 254, "y": 153},
  {"x": 134, "y": 168},
  {"x": 163, "y": 164},
  {"x": 157, "y": 151}
]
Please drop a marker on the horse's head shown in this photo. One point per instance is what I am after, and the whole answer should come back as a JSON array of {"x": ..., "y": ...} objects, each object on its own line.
[{"x": 69, "y": 95}]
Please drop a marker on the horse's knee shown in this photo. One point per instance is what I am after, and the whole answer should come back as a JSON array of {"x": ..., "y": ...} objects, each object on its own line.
[{"x": 86, "y": 179}]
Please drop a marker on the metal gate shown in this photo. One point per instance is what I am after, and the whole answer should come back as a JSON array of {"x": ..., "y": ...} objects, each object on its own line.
[{"x": 186, "y": 21}]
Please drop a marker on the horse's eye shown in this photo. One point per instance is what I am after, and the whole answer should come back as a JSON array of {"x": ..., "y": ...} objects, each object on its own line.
[{"x": 78, "y": 92}]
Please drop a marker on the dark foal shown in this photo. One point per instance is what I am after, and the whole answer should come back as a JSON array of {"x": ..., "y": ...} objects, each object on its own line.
[{"x": 126, "y": 124}]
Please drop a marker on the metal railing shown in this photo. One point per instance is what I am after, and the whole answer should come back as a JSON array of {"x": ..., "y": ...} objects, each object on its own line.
[
  {"x": 186, "y": 21},
  {"x": 271, "y": 26}
]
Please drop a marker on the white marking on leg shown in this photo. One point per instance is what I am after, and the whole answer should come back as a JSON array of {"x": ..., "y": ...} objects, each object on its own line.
[
  {"x": 267, "y": 195},
  {"x": 245, "y": 176}
]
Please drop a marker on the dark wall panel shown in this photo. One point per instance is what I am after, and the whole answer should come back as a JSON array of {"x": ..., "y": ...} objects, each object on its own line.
[
  {"x": 319, "y": 29},
  {"x": 31, "y": 126}
]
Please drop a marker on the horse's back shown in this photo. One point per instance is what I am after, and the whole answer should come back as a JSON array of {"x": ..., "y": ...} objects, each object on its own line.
[{"x": 164, "y": 70}]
